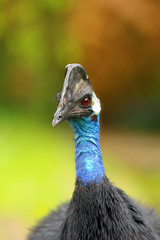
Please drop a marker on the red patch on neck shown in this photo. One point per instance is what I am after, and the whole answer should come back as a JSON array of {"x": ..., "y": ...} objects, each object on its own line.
[{"x": 94, "y": 118}]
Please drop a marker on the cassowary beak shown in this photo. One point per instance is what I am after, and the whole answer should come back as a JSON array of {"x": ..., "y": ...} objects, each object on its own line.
[
  {"x": 62, "y": 113},
  {"x": 57, "y": 117}
]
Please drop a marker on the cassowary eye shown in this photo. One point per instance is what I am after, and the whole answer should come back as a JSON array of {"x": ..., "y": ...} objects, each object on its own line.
[{"x": 86, "y": 101}]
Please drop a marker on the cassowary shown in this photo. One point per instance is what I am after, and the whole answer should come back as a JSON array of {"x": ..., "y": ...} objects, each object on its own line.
[{"x": 98, "y": 210}]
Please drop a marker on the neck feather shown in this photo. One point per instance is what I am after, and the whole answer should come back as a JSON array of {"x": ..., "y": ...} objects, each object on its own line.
[{"x": 88, "y": 159}]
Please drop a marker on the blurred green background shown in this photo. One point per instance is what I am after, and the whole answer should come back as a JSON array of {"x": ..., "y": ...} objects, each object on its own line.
[{"x": 118, "y": 43}]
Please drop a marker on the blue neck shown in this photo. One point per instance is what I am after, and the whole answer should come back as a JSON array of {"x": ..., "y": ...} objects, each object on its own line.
[{"x": 88, "y": 159}]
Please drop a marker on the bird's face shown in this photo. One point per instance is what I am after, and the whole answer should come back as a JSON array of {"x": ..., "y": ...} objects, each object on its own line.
[{"x": 76, "y": 99}]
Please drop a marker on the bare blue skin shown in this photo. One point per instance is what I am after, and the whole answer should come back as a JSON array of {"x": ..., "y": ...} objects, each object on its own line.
[{"x": 88, "y": 158}]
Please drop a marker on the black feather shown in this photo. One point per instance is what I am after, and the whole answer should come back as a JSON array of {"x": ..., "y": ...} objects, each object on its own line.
[{"x": 101, "y": 212}]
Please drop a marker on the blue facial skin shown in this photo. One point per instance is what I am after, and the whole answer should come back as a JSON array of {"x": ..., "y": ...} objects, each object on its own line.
[{"x": 88, "y": 159}]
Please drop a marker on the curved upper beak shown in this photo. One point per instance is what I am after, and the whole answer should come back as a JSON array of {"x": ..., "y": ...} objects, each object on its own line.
[
  {"x": 62, "y": 113},
  {"x": 58, "y": 116}
]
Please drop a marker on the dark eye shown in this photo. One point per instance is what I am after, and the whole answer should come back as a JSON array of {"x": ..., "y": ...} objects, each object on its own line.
[{"x": 86, "y": 101}]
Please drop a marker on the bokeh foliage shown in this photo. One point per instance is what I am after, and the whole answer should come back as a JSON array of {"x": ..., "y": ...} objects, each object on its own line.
[
  {"x": 35, "y": 46},
  {"x": 121, "y": 40},
  {"x": 119, "y": 45}
]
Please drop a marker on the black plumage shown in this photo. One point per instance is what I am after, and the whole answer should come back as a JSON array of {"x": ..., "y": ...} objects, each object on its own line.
[
  {"x": 98, "y": 212},
  {"x": 103, "y": 213}
]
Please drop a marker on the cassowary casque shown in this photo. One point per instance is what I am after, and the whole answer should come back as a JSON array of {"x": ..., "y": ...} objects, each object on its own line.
[{"x": 98, "y": 210}]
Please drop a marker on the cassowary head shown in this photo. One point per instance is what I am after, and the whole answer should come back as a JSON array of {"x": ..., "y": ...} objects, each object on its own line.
[{"x": 76, "y": 99}]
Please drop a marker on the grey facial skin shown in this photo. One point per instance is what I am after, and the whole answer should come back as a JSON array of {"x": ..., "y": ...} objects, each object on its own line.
[{"x": 76, "y": 87}]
